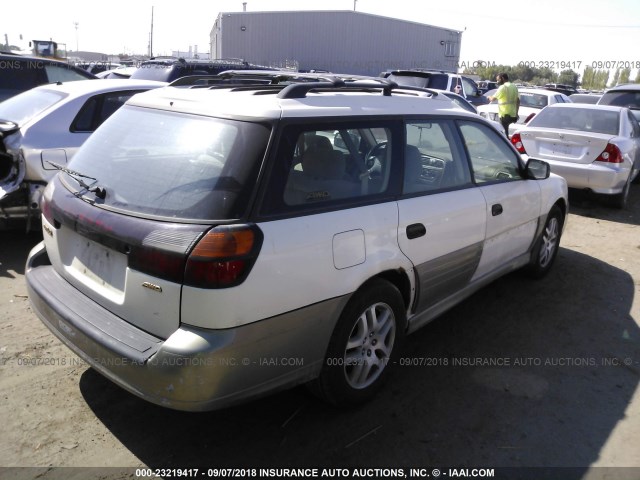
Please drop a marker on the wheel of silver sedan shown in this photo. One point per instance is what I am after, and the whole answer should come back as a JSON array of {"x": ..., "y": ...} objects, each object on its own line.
[
  {"x": 370, "y": 345},
  {"x": 363, "y": 345}
]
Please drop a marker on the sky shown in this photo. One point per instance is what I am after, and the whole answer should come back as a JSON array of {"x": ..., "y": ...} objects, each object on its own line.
[{"x": 542, "y": 32}]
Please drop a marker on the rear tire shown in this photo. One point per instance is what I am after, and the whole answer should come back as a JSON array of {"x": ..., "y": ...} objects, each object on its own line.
[
  {"x": 621, "y": 199},
  {"x": 546, "y": 248},
  {"x": 363, "y": 346}
]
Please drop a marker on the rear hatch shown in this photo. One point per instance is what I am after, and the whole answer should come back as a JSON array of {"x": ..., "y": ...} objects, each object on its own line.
[{"x": 121, "y": 222}]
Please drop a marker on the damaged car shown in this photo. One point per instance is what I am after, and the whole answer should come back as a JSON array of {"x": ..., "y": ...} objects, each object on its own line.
[{"x": 42, "y": 128}]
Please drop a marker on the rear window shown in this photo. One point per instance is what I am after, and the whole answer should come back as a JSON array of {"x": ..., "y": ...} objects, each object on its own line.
[
  {"x": 581, "y": 119},
  {"x": 533, "y": 100},
  {"x": 629, "y": 99},
  {"x": 186, "y": 167},
  {"x": 155, "y": 71},
  {"x": 21, "y": 108}
]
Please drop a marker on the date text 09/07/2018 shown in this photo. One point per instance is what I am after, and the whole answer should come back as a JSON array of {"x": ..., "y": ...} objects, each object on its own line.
[{"x": 578, "y": 64}]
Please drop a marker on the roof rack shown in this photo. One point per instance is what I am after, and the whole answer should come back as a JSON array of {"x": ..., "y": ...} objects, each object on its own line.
[{"x": 295, "y": 84}]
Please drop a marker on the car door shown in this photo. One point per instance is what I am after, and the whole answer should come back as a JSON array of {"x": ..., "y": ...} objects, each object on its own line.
[
  {"x": 442, "y": 218},
  {"x": 512, "y": 202}
]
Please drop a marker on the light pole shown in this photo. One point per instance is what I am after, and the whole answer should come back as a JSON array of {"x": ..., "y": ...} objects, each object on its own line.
[{"x": 75, "y": 24}]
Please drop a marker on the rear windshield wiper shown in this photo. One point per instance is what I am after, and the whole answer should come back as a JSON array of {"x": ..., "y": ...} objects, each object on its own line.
[{"x": 99, "y": 192}]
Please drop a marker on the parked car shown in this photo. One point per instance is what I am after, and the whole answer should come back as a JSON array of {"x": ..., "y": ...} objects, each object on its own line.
[
  {"x": 120, "y": 72},
  {"x": 20, "y": 73},
  {"x": 593, "y": 147},
  {"x": 567, "y": 90},
  {"x": 210, "y": 245},
  {"x": 439, "y": 80},
  {"x": 97, "y": 67},
  {"x": 627, "y": 95},
  {"x": 485, "y": 85},
  {"x": 168, "y": 70},
  {"x": 48, "y": 124},
  {"x": 590, "y": 98},
  {"x": 532, "y": 100}
]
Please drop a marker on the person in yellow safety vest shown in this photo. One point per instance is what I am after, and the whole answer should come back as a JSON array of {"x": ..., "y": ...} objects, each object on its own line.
[{"x": 508, "y": 101}]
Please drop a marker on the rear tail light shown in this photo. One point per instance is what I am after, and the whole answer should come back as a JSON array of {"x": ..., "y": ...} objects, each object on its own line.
[
  {"x": 517, "y": 142},
  {"x": 526, "y": 120},
  {"x": 223, "y": 257},
  {"x": 611, "y": 154},
  {"x": 45, "y": 208}
]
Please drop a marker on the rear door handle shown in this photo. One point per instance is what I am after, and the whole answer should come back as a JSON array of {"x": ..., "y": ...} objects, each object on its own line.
[
  {"x": 496, "y": 209},
  {"x": 416, "y": 230}
]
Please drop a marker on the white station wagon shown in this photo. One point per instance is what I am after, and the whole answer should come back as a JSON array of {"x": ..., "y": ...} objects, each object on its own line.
[{"x": 210, "y": 245}]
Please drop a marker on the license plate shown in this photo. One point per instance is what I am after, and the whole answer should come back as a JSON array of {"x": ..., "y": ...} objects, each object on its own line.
[
  {"x": 100, "y": 265},
  {"x": 556, "y": 149}
]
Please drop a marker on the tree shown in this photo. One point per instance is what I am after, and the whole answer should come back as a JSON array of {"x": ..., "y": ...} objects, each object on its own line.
[
  {"x": 616, "y": 77},
  {"x": 568, "y": 77},
  {"x": 624, "y": 75}
]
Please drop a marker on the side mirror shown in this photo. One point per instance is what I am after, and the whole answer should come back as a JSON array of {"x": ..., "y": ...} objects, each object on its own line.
[{"x": 537, "y": 169}]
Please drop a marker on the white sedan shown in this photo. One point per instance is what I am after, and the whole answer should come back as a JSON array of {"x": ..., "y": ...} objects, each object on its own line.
[
  {"x": 46, "y": 125},
  {"x": 594, "y": 147},
  {"x": 532, "y": 100}
]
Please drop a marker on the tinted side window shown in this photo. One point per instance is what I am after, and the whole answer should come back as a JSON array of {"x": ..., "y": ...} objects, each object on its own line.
[
  {"x": 491, "y": 158},
  {"x": 634, "y": 125},
  {"x": 97, "y": 109},
  {"x": 330, "y": 165},
  {"x": 433, "y": 160}
]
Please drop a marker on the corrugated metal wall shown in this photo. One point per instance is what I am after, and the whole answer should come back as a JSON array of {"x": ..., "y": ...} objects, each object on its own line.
[{"x": 337, "y": 41}]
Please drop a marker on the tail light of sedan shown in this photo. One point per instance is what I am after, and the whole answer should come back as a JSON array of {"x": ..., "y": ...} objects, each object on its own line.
[
  {"x": 517, "y": 142},
  {"x": 611, "y": 154}
]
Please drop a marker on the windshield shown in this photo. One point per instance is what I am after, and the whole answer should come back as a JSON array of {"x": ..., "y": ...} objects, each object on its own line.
[
  {"x": 437, "y": 81},
  {"x": 180, "y": 166},
  {"x": 23, "y": 107},
  {"x": 533, "y": 100},
  {"x": 582, "y": 119}
]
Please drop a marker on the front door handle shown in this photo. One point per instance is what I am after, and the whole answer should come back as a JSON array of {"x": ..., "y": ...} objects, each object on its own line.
[
  {"x": 416, "y": 230},
  {"x": 496, "y": 209}
]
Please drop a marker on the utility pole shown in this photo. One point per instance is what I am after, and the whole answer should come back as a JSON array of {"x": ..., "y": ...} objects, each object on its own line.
[
  {"x": 151, "y": 36},
  {"x": 75, "y": 24},
  {"x": 354, "y": 5}
]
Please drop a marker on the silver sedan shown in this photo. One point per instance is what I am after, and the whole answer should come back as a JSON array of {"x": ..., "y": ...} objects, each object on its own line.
[
  {"x": 593, "y": 147},
  {"x": 47, "y": 125}
]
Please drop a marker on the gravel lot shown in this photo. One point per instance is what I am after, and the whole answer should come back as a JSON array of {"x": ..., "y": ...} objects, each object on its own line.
[{"x": 524, "y": 373}]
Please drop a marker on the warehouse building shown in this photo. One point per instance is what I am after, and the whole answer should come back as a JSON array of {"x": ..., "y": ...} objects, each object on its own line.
[{"x": 335, "y": 41}]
